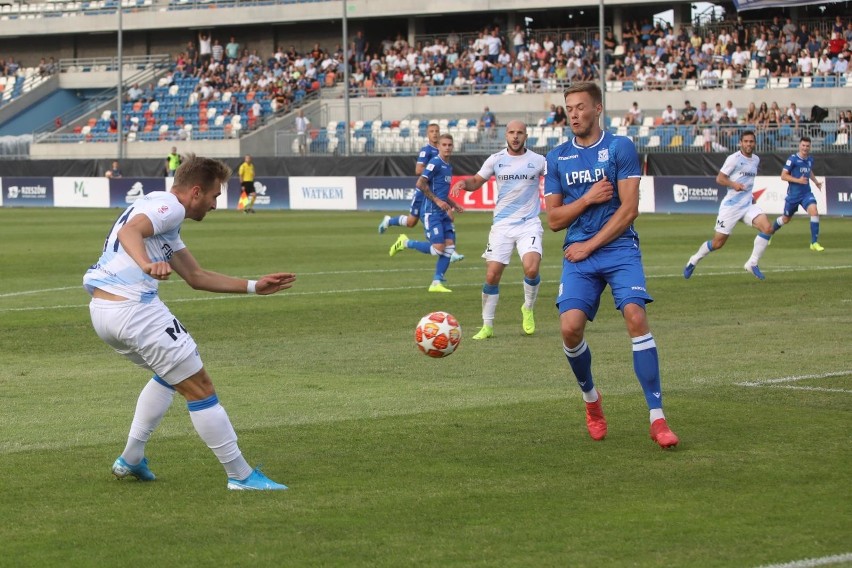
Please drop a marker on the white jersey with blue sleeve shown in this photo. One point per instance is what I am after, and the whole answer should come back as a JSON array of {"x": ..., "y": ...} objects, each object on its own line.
[
  {"x": 570, "y": 172},
  {"x": 517, "y": 178},
  {"x": 741, "y": 169},
  {"x": 116, "y": 272}
]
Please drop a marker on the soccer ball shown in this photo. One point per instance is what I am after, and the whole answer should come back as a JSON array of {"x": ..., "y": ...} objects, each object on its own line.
[{"x": 438, "y": 334}]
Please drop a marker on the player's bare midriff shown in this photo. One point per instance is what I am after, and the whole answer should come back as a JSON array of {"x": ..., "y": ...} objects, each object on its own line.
[{"x": 102, "y": 295}]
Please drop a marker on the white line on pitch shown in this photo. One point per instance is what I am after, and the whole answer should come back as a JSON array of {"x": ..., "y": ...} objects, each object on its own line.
[
  {"x": 811, "y": 562},
  {"x": 793, "y": 379}
]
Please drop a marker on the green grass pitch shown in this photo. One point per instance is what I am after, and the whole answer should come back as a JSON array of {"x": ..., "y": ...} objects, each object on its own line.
[{"x": 395, "y": 459}]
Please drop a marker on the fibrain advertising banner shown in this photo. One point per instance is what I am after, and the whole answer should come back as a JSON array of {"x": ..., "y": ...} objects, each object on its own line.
[{"x": 660, "y": 194}]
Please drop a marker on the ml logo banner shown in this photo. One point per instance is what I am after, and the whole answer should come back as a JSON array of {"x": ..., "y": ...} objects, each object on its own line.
[{"x": 81, "y": 192}]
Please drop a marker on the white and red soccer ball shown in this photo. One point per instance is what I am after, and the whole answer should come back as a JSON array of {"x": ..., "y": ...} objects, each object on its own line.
[{"x": 438, "y": 334}]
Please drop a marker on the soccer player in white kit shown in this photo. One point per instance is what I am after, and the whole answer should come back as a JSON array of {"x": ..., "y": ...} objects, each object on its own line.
[
  {"x": 737, "y": 174},
  {"x": 517, "y": 171},
  {"x": 142, "y": 248}
]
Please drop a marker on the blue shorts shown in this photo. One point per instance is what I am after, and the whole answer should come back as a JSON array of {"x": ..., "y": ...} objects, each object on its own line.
[
  {"x": 583, "y": 282},
  {"x": 439, "y": 227},
  {"x": 791, "y": 204},
  {"x": 416, "y": 204}
]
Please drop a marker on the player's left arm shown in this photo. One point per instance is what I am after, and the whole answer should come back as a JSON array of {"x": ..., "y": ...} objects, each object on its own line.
[
  {"x": 815, "y": 180},
  {"x": 200, "y": 278},
  {"x": 627, "y": 212}
]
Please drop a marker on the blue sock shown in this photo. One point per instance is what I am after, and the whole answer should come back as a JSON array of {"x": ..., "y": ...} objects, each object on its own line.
[
  {"x": 394, "y": 222},
  {"x": 421, "y": 246},
  {"x": 646, "y": 365},
  {"x": 776, "y": 225},
  {"x": 814, "y": 231},
  {"x": 442, "y": 265},
  {"x": 580, "y": 359},
  {"x": 490, "y": 289},
  {"x": 533, "y": 281}
]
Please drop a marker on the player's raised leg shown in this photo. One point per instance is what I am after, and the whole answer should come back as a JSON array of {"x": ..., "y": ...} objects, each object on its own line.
[
  {"x": 761, "y": 241},
  {"x": 717, "y": 242}
]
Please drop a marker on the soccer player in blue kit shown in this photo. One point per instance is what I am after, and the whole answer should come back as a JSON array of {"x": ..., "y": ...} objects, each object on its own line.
[
  {"x": 591, "y": 187},
  {"x": 438, "y": 208},
  {"x": 797, "y": 172},
  {"x": 427, "y": 152}
]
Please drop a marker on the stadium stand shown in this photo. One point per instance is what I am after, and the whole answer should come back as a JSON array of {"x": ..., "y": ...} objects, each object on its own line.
[{"x": 231, "y": 97}]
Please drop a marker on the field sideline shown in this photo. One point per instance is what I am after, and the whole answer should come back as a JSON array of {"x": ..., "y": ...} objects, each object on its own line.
[{"x": 394, "y": 459}]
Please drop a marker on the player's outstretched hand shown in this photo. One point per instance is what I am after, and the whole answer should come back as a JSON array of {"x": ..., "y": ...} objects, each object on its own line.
[
  {"x": 600, "y": 192},
  {"x": 160, "y": 270},
  {"x": 272, "y": 283},
  {"x": 457, "y": 188}
]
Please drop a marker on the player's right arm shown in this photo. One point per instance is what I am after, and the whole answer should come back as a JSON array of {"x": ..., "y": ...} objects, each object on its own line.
[
  {"x": 561, "y": 215},
  {"x": 787, "y": 173},
  {"x": 468, "y": 184},
  {"x": 725, "y": 181},
  {"x": 132, "y": 238}
]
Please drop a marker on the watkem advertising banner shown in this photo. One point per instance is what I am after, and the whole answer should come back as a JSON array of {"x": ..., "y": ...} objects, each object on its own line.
[
  {"x": 81, "y": 192},
  {"x": 385, "y": 193},
  {"x": 271, "y": 193},
  {"x": 687, "y": 195},
  {"x": 323, "y": 193},
  {"x": 27, "y": 191},
  {"x": 838, "y": 193},
  {"x": 126, "y": 190}
]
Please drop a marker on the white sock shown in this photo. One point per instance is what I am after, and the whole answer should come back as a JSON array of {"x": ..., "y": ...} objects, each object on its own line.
[
  {"x": 435, "y": 252},
  {"x": 656, "y": 414},
  {"x": 703, "y": 251},
  {"x": 591, "y": 396},
  {"x": 153, "y": 403},
  {"x": 214, "y": 427},
  {"x": 760, "y": 245},
  {"x": 403, "y": 220},
  {"x": 530, "y": 295},
  {"x": 489, "y": 308}
]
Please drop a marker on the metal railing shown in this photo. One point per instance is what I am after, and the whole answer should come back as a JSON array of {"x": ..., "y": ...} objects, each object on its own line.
[
  {"x": 56, "y": 9},
  {"x": 145, "y": 67},
  {"x": 826, "y": 137}
]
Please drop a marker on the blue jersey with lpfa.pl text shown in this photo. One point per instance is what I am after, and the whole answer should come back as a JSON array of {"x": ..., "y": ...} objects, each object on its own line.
[
  {"x": 571, "y": 169},
  {"x": 439, "y": 174},
  {"x": 799, "y": 167}
]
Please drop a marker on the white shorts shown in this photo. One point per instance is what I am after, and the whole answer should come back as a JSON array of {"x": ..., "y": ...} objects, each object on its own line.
[
  {"x": 730, "y": 214},
  {"x": 504, "y": 238},
  {"x": 149, "y": 335}
]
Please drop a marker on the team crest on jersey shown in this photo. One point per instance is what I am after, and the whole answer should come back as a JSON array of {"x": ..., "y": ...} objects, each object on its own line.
[
  {"x": 603, "y": 155},
  {"x": 430, "y": 167}
]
